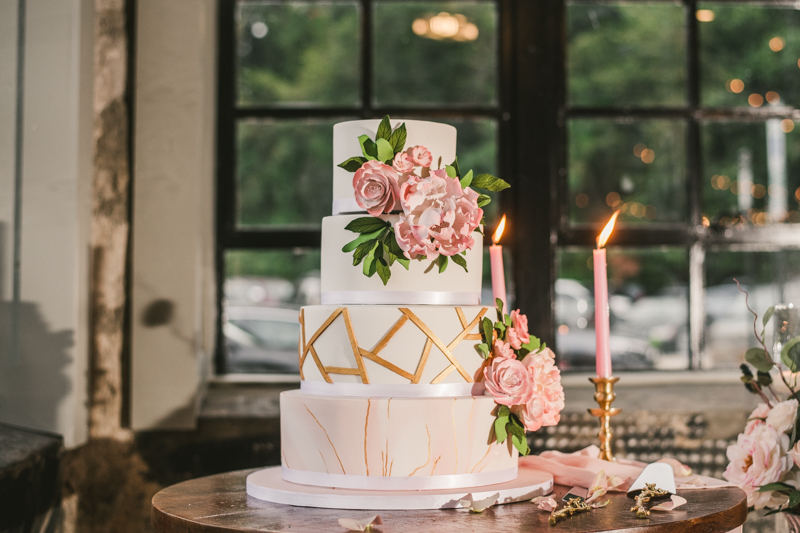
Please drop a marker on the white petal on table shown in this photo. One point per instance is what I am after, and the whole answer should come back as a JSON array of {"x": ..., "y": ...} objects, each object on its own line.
[{"x": 673, "y": 503}]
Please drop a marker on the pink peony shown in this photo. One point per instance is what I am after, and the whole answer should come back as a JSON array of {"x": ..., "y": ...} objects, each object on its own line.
[
  {"x": 503, "y": 350},
  {"x": 530, "y": 413},
  {"x": 439, "y": 214},
  {"x": 513, "y": 338},
  {"x": 408, "y": 242},
  {"x": 546, "y": 379},
  {"x": 376, "y": 187},
  {"x": 402, "y": 163},
  {"x": 756, "y": 418},
  {"x": 508, "y": 381},
  {"x": 757, "y": 459},
  {"x": 421, "y": 156}
]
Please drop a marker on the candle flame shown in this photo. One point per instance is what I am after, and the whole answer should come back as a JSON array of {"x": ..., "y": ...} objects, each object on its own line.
[
  {"x": 499, "y": 231},
  {"x": 606, "y": 233}
]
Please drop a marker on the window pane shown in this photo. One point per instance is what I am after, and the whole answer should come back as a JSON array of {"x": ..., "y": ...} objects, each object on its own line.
[
  {"x": 636, "y": 167},
  {"x": 769, "y": 277},
  {"x": 752, "y": 172},
  {"x": 263, "y": 292},
  {"x": 300, "y": 53},
  {"x": 749, "y": 55},
  {"x": 648, "y": 303},
  {"x": 435, "y": 53},
  {"x": 284, "y": 172},
  {"x": 625, "y": 55}
]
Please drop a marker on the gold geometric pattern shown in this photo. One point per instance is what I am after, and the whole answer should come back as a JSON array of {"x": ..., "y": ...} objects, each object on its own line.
[{"x": 306, "y": 348}]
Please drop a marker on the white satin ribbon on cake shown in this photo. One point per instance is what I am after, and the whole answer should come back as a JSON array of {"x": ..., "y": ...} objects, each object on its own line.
[
  {"x": 451, "y": 481},
  {"x": 393, "y": 390},
  {"x": 400, "y": 298},
  {"x": 346, "y": 205}
]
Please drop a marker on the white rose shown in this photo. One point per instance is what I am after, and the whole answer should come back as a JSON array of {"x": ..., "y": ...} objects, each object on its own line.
[
  {"x": 783, "y": 415},
  {"x": 794, "y": 453}
]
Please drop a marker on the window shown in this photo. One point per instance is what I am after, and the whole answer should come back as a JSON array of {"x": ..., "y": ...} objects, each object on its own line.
[
  {"x": 680, "y": 114},
  {"x": 289, "y": 70}
]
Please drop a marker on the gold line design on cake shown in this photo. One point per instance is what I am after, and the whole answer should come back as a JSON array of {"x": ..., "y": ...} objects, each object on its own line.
[{"x": 407, "y": 382}]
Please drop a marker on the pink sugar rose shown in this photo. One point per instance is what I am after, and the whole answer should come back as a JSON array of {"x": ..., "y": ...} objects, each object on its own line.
[
  {"x": 757, "y": 459},
  {"x": 503, "y": 350},
  {"x": 376, "y": 187},
  {"x": 508, "y": 381},
  {"x": 402, "y": 163},
  {"x": 513, "y": 338},
  {"x": 520, "y": 324},
  {"x": 421, "y": 156},
  {"x": 756, "y": 418},
  {"x": 546, "y": 380}
]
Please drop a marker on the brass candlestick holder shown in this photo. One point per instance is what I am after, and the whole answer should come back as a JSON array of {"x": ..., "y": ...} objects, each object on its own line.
[{"x": 604, "y": 395}]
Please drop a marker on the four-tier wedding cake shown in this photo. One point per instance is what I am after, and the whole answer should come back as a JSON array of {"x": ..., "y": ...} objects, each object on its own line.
[{"x": 408, "y": 383}]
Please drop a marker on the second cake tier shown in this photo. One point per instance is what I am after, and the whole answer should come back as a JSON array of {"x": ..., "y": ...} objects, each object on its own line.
[
  {"x": 343, "y": 283},
  {"x": 424, "y": 345}
]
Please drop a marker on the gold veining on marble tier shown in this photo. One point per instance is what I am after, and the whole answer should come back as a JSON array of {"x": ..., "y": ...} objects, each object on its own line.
[
  {"x": 429, "y": 453},
  {"x": 360, "y": 354},
  {"x": 366, "y": 424},
  {"x": 329, "y": 441}
]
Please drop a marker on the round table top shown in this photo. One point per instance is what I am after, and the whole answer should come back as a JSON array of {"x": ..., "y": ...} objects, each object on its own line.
[{"x": 220, "y": 504}]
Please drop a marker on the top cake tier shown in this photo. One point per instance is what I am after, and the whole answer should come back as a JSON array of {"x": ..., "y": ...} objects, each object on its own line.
[{"x": 440, "y": 139}]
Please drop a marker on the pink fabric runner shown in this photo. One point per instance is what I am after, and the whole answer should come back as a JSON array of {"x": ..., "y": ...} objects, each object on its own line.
[{"x": 580, "y": 468}]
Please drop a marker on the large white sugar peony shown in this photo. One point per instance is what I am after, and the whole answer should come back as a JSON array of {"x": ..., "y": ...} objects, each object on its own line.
[
  {"x": 783, "y": 415},
  {"x": 757, "y": 459}
]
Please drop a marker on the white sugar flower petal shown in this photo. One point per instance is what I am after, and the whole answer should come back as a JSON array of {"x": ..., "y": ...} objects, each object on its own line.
[
  {"x": 480, "y": 505},
  {"x": 673, "y": 503},
  {"x": 364, "y": 524}
]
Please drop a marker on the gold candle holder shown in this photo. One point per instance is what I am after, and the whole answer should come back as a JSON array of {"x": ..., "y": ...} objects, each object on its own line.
[{"x": 604, "y": 395}]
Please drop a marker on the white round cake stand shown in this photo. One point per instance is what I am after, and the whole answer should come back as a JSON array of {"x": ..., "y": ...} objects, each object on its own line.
[{"x": 268, "y": 485}]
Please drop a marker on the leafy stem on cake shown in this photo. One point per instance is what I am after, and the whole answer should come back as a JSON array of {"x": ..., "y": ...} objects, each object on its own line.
[
  {"x": 520, "y": 373},
  {"x": 439, "y": 208}
]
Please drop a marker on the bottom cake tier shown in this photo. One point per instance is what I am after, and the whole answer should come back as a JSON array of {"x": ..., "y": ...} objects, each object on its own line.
[{"x": 386, "y": 443}]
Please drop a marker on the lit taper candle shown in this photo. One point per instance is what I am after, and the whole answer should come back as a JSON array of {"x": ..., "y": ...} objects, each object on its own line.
[
  {"x": 496, "y": 259},
  {"x": 601, "y": 325}
]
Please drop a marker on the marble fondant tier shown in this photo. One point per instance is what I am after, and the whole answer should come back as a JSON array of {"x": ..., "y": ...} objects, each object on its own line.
[
  {"x": 381, "y": 344},
  {"x": 385, "y": 443},
  {"x": 342, "y": 283},
  {"x": 440, "y": 139}
]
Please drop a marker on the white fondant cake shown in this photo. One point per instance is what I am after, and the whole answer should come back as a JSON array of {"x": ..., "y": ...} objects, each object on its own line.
[
  {"x": 388, "y": 399},
  {"x": 440, "y": 139},
  {"x": 392, "y": 443},
  {"x": 343, "y": 284}
]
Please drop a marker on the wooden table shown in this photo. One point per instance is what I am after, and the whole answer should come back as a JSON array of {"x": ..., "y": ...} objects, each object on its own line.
[{"x": 220, "y": 504}]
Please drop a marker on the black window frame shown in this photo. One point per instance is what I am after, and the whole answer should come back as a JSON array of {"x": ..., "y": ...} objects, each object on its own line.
[{"x": 532, "y": 116}]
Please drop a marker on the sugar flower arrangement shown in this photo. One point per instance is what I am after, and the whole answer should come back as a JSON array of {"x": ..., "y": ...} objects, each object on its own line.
[
  {"x": 439, "y": 208},
  {"x": 519, "y": 371},
  {"x": 765, "y": 460}
]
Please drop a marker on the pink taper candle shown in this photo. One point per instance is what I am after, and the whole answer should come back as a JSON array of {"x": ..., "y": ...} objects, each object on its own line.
[
  {"x": 496, "y": 260},
  {"x": 601, "y": 325}
]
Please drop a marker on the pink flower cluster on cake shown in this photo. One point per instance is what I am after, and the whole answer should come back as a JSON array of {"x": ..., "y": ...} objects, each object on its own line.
[
  {"x": 531, "y": 384},
  {"x": 438, "y": 216}
]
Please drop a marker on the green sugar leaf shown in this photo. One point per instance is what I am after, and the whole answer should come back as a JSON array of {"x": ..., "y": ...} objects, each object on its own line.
[
  {"x": 487, "y": 328},
  {"x": 353, "y": 164},
  {"x": 442, "y": 261},
  {"x": 384, "y": 129},
  {"x": 367, "y": 225},
  {"x": 489, "y": 183},
  {"x": 466, "y": 181},
  {"x": 483, "y": 349},
  {"x": 383, "y": 270},
  {"x": 368, "y": 147},
  {"x": 405, "y": 261},
  {"x": 455, "y": 165},
  {"x": 460, "y": 261},
  {"x": 385, "y": 152},
  {"x": 364, "y": 237},
  {"x": 398, "y": 138},
  {"x": 370, "y": 259},
  {"x": 483, "y": 200},
  {"x": 363, "y": 249},
  {"x": 451, "y": 171}
]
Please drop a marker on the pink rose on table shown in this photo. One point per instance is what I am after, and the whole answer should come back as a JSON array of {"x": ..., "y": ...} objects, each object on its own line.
[
  {"x": 376, "y": 188},
  {"x": 421, "y": 156},
  {"x": 758, "y": 459},
  {"x": 508, "y": 381},
  {"x": 503, "y": 350},
  {"x": 546, "y": 380},
  {"x": 402, "y": 163},
  {"x": 756, "y": 418}
]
